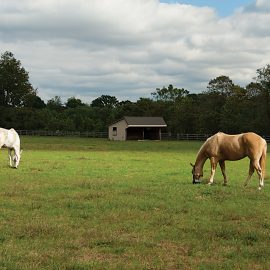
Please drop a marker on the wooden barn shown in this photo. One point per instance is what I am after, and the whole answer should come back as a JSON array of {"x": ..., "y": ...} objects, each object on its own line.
[{"x": 137, "y": 128}]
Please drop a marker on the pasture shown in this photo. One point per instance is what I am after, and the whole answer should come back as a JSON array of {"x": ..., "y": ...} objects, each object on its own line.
[{"x": 78, "y": 204}]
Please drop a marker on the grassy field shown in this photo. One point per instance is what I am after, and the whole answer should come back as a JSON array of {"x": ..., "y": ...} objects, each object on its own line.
[{"x": 78, "y": 204}]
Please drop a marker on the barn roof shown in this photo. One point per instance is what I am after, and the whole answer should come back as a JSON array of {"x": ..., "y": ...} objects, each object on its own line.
[{"x": 145, "y": 121}]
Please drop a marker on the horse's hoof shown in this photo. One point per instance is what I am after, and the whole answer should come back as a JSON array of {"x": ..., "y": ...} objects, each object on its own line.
[{"x": 197, "y": 181}]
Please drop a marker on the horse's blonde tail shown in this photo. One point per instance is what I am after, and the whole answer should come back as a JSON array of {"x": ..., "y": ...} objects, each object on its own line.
[{"x": 263, "y": 161}]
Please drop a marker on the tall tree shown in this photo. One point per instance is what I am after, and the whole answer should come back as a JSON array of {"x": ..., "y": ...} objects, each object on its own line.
[
  {"x": 169, "y": 94},
  {"x": 14, "y": 82},
  {"x": 105, "y": 101},
  {"x": 221, "y": 85},
  {"x": 73, "y": 102},
  {"x": 236, "y": 116},
  {"x": 263, "y": 78},
  {"x": 34, "y": 101},
  {"x": 186, "y": 112},
  {"x": 55, "y": 103},
  {"x": 254, "y": 90}
]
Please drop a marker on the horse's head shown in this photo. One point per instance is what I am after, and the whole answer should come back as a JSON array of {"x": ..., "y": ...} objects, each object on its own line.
[{"x": 197, "y": 174}]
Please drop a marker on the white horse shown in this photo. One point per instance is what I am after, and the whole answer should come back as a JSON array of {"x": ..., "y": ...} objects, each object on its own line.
[{"x": 9, "y": 138}]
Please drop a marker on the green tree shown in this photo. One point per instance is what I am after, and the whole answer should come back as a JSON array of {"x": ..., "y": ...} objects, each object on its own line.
[
  {"x": 210, "y": 105},
  {"x": 263, "y": 78},
  {"x": 222, "y": 85},
  {"x": 169, "y": 94},
  {"x": 124, "y": 108},
  {"x": 254, "y": 90},
  {"x": 105, "y": 101},
  {"x": 256, "y": 109},
  {"x": 55, "y": 103},
  {"x": 144, "y": 107},
  {"x": 73, "y": 102},
  {"x": 83, "y": 118},
  {"x": 34, "y": 101},
  {"x": 14, "y": 82},
  {"x": 236, "y": 112},
  {"x": 185, "y": 117}
]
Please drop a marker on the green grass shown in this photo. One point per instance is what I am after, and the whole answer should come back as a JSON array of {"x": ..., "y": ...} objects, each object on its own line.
[{"x": 78, "y": 204}]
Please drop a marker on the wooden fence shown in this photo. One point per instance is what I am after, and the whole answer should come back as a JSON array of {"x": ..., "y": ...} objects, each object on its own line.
[
  {"x": 63, "y": 133},
  {"x": 187, "y": 137},
  {"x": 88, "y": 134},
  {"x": 195, "y": 137}
]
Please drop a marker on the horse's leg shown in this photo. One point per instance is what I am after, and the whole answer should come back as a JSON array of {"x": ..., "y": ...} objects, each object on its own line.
[
  {"x": 251, "y": 171},
  {"x": 213, "y": 170},
  {"x": 17, "y": 157},
  {"x": 262, "y": 165},
  {"x": 222, "y": 167},
  {"x": 257, "y": 167},
  {"x": 260, "y": 173},
  {"x": 10, "y": 157}
]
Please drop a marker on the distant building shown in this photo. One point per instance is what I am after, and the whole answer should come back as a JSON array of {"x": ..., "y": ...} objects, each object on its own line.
[{"x": 137, "y": 128}]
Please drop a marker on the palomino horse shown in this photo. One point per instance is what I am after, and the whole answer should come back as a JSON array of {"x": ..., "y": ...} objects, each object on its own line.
[{"x": 221, "y": 147}]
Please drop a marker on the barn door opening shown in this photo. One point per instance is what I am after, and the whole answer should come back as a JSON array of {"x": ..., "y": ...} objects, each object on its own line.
[
  {"x": 151, "y": 133},
  {"x": 135, "y": 133}
]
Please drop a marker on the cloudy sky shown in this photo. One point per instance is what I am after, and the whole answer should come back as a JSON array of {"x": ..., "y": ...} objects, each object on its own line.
[{"x": 128, "y": 48}]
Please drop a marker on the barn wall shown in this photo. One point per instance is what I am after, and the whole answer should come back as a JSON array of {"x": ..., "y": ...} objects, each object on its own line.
[{"x": 120, "y": 133}]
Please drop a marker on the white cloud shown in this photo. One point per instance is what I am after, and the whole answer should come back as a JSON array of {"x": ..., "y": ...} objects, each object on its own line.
[{"x": 127, "y": 48}]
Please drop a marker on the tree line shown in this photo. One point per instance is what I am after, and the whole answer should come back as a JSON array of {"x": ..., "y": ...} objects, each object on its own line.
[{"x": 223, "y": 106}]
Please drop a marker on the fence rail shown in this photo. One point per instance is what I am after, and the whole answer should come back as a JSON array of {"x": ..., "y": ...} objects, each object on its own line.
[
  {"x": 63, "y": 133},
  {"x": 90, "y": 134},
  {"x": 188, "y": 137},
  {"x": 195, "y": 137},
  {"x": 267, "y": 138}
]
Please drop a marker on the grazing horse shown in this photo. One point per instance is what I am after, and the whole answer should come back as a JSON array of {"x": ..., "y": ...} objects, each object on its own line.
[
  {"x": 221, "y": 147},
  {"x": 9, "y": 138}
]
